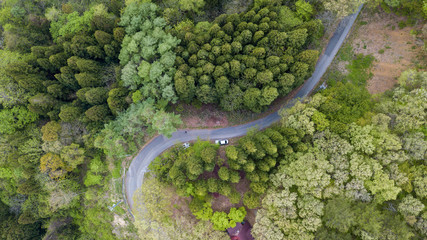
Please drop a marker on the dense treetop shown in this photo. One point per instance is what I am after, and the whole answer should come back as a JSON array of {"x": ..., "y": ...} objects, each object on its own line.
[
  {"x": 84, "y": 84},
  {"x": 245, "y": 60}
]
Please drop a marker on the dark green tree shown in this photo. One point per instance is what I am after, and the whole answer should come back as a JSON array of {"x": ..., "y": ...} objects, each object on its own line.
[
  {"x": 96, "y": 96},
  {"x": 97, "y": 113}
]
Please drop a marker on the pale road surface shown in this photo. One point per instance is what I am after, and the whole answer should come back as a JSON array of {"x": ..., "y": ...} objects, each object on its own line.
[{"x": 138, "y": 167}]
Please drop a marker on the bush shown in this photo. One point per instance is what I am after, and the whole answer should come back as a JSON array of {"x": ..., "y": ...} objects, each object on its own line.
[
  {"x": 224, "y": 188},
  {"x": 234, "y": 176},
  {"x": 234, "y": 197},
  {"x": 251, "y": 200},
  {"x": 224, "y": 173},
  {"x": 212, "y": 184},
  {"x": 401, "y": 24}
]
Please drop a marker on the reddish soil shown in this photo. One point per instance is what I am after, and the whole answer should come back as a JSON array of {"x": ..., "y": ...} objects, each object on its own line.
[
  {"x": 206, "y": 116},
  {"x": 394, "y": 49},
  {"x": 221, "y": 203},
  {"x": 251, "y": 215},
  {"x": 180, "y": 206}
]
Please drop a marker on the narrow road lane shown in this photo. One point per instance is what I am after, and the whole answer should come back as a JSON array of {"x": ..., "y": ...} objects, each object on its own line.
[{"x": 137, "y": 168}]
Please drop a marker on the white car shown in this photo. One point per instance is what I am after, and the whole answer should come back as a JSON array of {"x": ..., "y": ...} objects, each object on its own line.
[
  {"x": 221, "y": 142},
  {"x": 186, "y": 145}
]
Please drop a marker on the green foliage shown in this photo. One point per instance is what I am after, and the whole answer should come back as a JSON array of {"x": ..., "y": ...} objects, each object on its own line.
[
  {"x": 191, "y": 5},
  {"x": 220, "y": 221},
  {"x": 243, "y": 54},
  {"x": 237, "y": 215},
  {"x": 73, "y": 155},
  {"x": 342, "y": 8},
  {"x": 205, "y": 213},
  {"x": 50, "y": 131},
  {"x": 88, "y": 80},
  {"x": 347, "y": 105},
  {"x": 41, "y": 104},
  {"x": 338, "y": 215},
  {"x": 96, "y": 96},
  {"x": 96, "y": 170},
  {"x": 303, "y": 9},
  {"x": 14, "y": 119},
  {"x": 117, "y": 138},
  {"x": 147, "y": 52},
  {"x": 97, "y": 113},
  {"x": 48, "y": 181},
  {"x": 69, "y": 24},
  {"x": 116, "y": 100},
  {"x": 405, "y": 7},
  {"x": 88, "y": 66},
  {"x": 354, "y": 167},
  {"x": 69, "y": 113},
  {"x": 251, "y": 200},
  {"x": 333, "y": 169},
  {"x": 152, "y": 205},
  {"x": 224, "y": 174},
  {"x": 359, "y": 69},
  {"x": 53, "y": 165},
  {"x": 11, "y": 229},
  {"x": 383, "y": 188},
  {"x": 104, "y": 38},
  {"x": 410, "y": 206}
]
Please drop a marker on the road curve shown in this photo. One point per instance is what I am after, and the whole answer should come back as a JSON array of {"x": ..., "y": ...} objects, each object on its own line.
[{"x": 139, "y": 165}]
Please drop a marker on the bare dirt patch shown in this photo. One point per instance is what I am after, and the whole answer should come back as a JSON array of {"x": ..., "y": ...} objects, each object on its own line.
[
  {"x": 205, "y": 116},
  {"x": 119, "y": 221},
  {"x": 181, "y": 207},
  {"x": 221, "y": 203},
  {"x": 236, "y": 6},
  {"x": 394, "y": 49}
]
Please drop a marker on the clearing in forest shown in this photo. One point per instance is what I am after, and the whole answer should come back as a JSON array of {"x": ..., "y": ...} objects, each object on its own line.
[{"x": 388, "y": 38}]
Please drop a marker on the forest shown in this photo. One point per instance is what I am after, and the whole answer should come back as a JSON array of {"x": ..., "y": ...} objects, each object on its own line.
[
  {"x": 85, "y": 84},
  {"x": 324, "y": 172}
]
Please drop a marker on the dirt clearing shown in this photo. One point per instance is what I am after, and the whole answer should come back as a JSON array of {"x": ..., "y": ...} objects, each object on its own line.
[
  {"x": 394, "y": 48},
  {"x": 200, "y": 116}
]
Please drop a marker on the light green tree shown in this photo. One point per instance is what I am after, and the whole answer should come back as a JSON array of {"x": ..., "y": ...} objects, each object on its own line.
[
  {"x": 339, "y": 215},
  {"x": 382, "y": 187},
  {"x": 310, "y": 172},
  {"x": 15, "y": 118},
  {"x": 237, "y": 215},
  {"x": 342, "y": 7},
  {"x": 191, "y": 5},
  {"x": 303, "y": 9},
  {"x": 220, "y": 221},
  {"x": 410, "y": 206}
]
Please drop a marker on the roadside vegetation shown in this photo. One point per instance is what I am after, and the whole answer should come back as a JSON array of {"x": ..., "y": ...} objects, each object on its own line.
[
  {"x": 333, "y": 162},
  {"x": 85, "y": 84}
]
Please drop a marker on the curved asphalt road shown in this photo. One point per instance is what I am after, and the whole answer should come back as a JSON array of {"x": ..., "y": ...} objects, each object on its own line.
[{"x": 138, "y": 167}]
